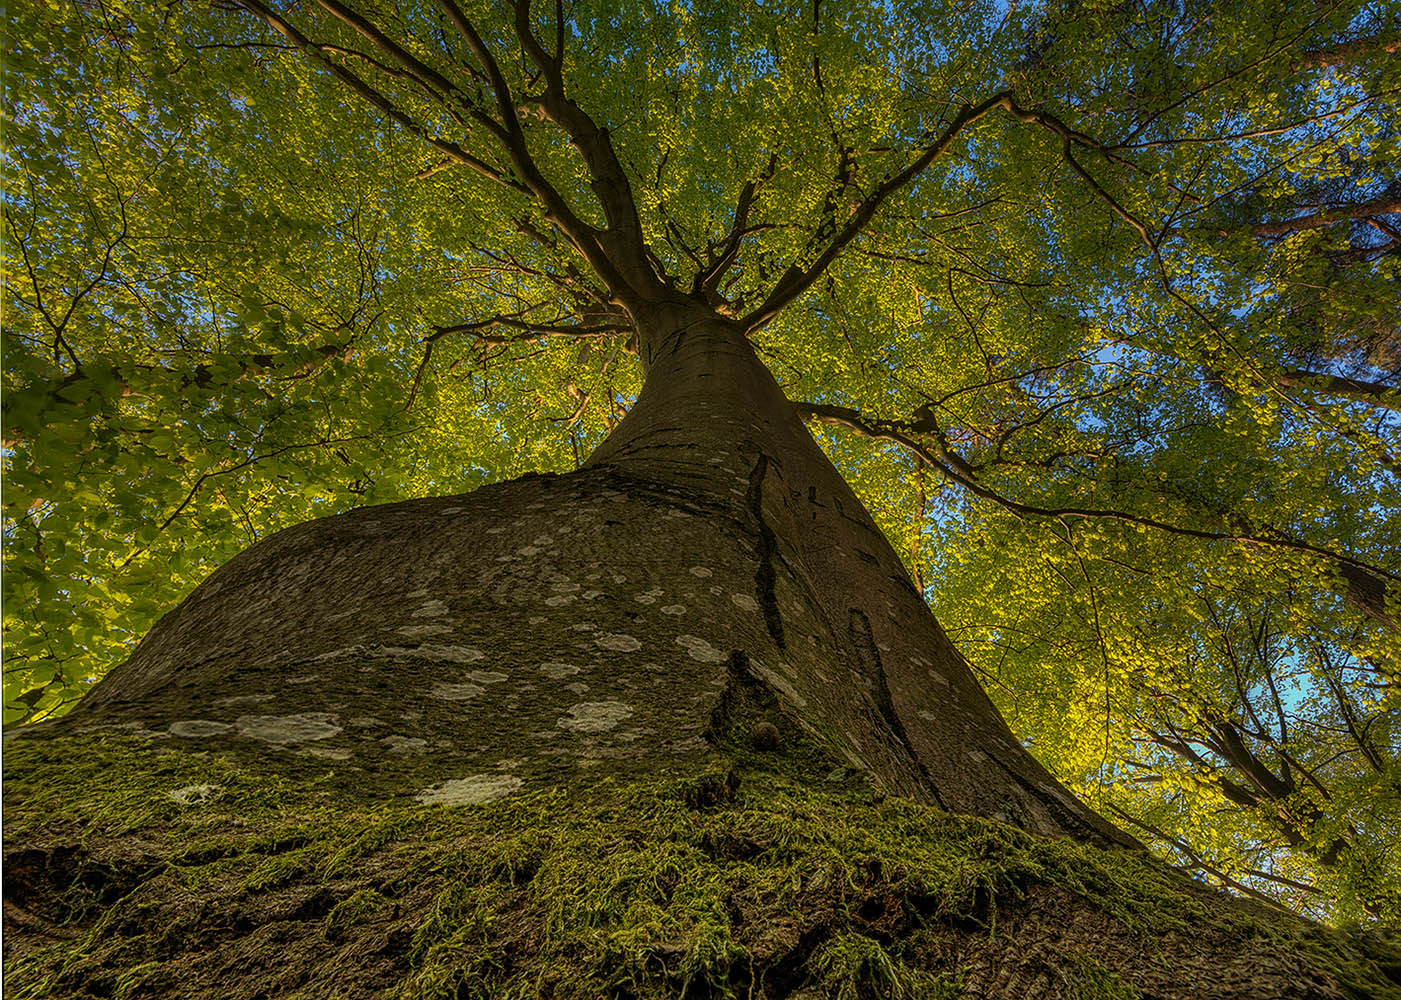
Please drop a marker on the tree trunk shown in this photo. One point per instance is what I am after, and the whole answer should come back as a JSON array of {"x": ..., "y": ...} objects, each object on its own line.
[
  {"x": 706, "y": 593},
  {"x": 557, "y": 621}
]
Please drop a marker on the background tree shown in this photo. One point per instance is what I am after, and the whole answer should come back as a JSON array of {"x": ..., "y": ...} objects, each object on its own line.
[{"x": 1111, "y": 313}]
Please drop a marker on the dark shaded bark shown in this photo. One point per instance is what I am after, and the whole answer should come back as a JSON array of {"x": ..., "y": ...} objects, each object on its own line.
[{"x": 553, "y": 622}]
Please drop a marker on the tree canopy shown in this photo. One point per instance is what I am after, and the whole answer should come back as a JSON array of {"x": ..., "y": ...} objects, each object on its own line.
[{"x": 1094, "y": 304}]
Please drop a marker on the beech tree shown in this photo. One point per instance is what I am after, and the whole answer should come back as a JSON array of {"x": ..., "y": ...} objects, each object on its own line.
[{"x": 1093, "y": 309}]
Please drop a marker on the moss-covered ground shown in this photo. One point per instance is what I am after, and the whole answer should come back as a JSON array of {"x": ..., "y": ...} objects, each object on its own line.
[{"x": 134, "y": 870}]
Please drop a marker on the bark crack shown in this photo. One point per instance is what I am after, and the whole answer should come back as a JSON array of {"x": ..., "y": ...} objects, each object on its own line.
[
  {"x": 859, "y": 630},
  {"x": 766, "y": 576}
]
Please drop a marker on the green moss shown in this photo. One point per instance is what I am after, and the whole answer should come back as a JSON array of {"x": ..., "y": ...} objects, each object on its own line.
[
  {"x": 1091, "y": 981},
  {"x": 853, "y": 966},
  {"x": 349, "y": 912},
  {"x": 778, "y": 887}
]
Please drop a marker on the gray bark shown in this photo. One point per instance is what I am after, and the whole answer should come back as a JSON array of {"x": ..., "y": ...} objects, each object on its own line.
[
  {"x": 707, "y": 568},
  {"x": 706, "y": 591}
]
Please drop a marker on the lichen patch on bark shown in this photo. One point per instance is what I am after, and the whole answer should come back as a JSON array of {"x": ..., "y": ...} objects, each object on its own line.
[
  {"x": 619, "y": 643},
  {"x": 699, "y": 649},
  {"x": 595, "y": 716},
  {"x": 472, "y": 790},
  {"x": 558, "y": 671},
  {"x": 287, "y": 728}
]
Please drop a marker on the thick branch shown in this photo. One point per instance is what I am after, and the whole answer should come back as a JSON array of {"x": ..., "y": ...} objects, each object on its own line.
[
  {"x": 585, "y": 238},
  {"x": 1366, "y": 589},
  {"x": 797, "y": 280},
  {"x": 379, "y": 101},
  {"x": 1319, "y": 220},
  {"x": 1355, "y": 51},
  {"x": 1374, "y": 393},
  {"x": 708, "y": 278},
  {"x": 608, "y": 179}
]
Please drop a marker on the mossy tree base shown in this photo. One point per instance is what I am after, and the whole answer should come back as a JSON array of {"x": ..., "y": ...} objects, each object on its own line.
[{"x": 138, "y": 870}]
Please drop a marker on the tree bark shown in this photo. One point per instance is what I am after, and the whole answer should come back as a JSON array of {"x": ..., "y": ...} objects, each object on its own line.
[
  {"x": 705, "y": 595},
  {"x": 538, "y": 627}
]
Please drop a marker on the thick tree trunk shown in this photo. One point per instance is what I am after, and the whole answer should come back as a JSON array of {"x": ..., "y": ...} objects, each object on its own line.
[
  {"x": 249, "y": 805},
  {"x": 524, "y": 633}
]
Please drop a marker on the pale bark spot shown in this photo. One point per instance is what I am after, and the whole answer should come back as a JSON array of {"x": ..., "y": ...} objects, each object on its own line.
[
  {"x": 475, "y": 789},
  {"x": 452, "y": 510},
  {"x": 781, "y": 685},
  {"x": 928, "y": 716},
  {"x": 977, "y": 756},
  {"x": 195, "y": 728},
  {"x": 325, "y": 753},
  {"x": 543, "y": 540},
  {"x": 422, "y": 631},
  {"x": 527, "y": 550},
  {"x": 456, "y": 692},
  {"x": 304, "y": 679},
  {"x": 939, "y": 678},
  {"x": 698, "y": 649},
  {"x": 564, "y": 587},
  {"x": 245, "y": 699},
  {"x": 701, "y": 571},
  {"x": 193, "y": 795},
  {"x": 579, "y": 688},
  {"x": 433, "y": 609},
  {"x": 405, "y": 744},
  {"x": 560, "y": 600},
  {"x": 674, "y": 609},
  {"x": 487, "y": 677},
  {"x": 558, "y": 671},
  {"x": 744, "y": 601},
  {"x": 498, "y": 530},
  {"x": 537, "y": 619},
  {"x": 619, "y": 643},
  {"x": 288, "y": 728},
  {"x": 594, "y": 716}
]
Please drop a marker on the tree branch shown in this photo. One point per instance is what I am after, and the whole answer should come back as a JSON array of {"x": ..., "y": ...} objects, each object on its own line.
[
  {"x": 797, "y": 280},
  {"x": 585, "y": 238},
  {"x": 379, "y": 101},
  {"x": 1365, "y": 587}
]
